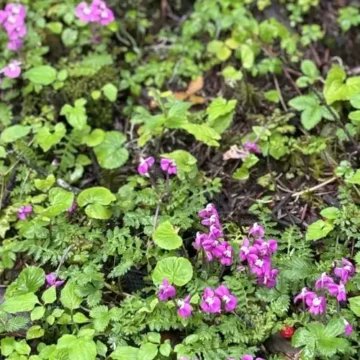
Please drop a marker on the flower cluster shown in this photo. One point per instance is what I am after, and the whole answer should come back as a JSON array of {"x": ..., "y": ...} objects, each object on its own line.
[
  {"x": 96, "y": 12},
  {"x": 12, "y": 19},
  {"x": 24, "y": 212},
  {"x": 258, "y": 256},
  {"x": 247, "y": 357},
  {"x": 211, "y": 243},
  {"x": 334, "y": 285},
  {"x": 167, "y": 165},
  {"x": 218, "y": 300}
]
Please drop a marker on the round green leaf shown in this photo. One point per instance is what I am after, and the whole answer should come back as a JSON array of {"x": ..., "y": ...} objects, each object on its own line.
[
  {"x": 97, "y": 211},
  {"x": 13, "y": 133},
  {"x": 95, "y": 195},
  {"x": 60, "y": 201},
  {"x": 177, "y": 270},
  {"x": 41, "y": 75},
  {"x": 110, "y": 91},
  {"x": 69, "y": 36},
  {"x": 110, "y": 153},
  {"x": 166, "y": 237},
  {"x": 95, "y": 138}
]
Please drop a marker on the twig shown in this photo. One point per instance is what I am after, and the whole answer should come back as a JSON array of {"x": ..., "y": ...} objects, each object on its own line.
[
  {"x": 312, "y": 189},
  {"x": 280, "y": 94}
]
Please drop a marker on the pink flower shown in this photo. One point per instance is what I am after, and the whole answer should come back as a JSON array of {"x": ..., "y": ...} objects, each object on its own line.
[
  {"x": 166, "y": 291},
  {"x": 52, "y": 281},
  {"x": 210, "y": 244},
  {"x": 304, "y": 294},
  {"x": 345, "y": 272},
  {"x": 210, "y": 303},
  {"x": 265, "y": 248},
  {"x": 168, "y": 166},
  {"x": 208, "y": 211},
  {"x": 317, "y": 304},
  {"x": 259, "y": 266},
  {"x": 18, "y": 32},
  {"x": 337, "y": 290},
  {"x": 257, "y": 231},
  {"x": 145, "y": 165},
  {"x": 348, "y": 328},
  {"x": 249, "y": 357},
  {"x": 199, "y": 240},
  {"x": 84, "y": 12},
  {"x": 16, "y": 10},
  {"x": 252, "y": 147},
  {"x": 216, "y": 232},
  {"x": 12, "y": 70},
  {"x": 211, "y": 220},
  {"x": 24, "y": 212},
  {"x": 268, "y": 280},
  {"x": 323, "y": 281},
  {"x": 246, "y": 249},
  {"x": 226, "y": 297},
  {"x": 226, "y": 253},
  {"x": 185, "y": 309},
  {"x": 15, "y": 45}
]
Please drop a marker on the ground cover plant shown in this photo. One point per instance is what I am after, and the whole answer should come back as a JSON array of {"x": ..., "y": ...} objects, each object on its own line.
[{"x": 179, "y": 179}]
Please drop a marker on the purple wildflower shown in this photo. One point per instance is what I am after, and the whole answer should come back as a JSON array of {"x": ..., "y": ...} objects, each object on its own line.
[
  {"x": 166, "y": 291},
  {"x": 305, "y": 292},
  {"x": 259, "y": 266},
  {"x": 210, "y": 303},
  {"x": 316, "y": 304},
  {"x": 337, "y": 290},
  {"x": 145, "y": 165},
  {"x": 185, "y": 309},
  {"x": 52, "y": 281},
  {"x": 265, "y": 248},
  {"x": 252, "y": 147},
  {"x": 97, "y": 12},
  {"x": 345, "y": 272},
  {"x": 208, "y": 211},
  {"x": 12, "y": 70},
  {"x": 323, "y": 281},
  {"x": 226, "y": 297},
  {"x": 269, "y": 280},
  {"x": 169, "y": 166},
  {"x": 348, "y": 328},
  {"x": 72, "y": 208},
  {"x": 24, "y": 212},
  {"x": 257, "y": 231}
]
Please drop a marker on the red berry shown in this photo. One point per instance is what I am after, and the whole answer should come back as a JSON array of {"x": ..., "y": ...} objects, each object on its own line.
[{"x": 287, "y": 332}]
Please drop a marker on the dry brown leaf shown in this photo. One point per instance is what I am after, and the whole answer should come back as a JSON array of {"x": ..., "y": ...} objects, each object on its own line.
[
  {"x": 180, "y": 95},
  {"x": 195, "y": 86},
  {"x": 235, "y": 153},
  {"x": 196, "y": 99}
]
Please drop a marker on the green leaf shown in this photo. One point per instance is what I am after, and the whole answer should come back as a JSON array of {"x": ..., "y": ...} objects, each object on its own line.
[
  {"x": 304, "y": 102},
  {"x": 354, "y": 116},
  {"x": 110, "y": 91},
  {"x": 98, "y": 211},
  {"x": 22, "y": 348},
  {"x": 80, "y": 318},
  {"x": 220, "y": 114},
  {"x": 185, "y": 162},
  {"x": 220, "y": 49},
  {"x": 272, "y": 95},
  {"x": 95, "y": 195},
  {"x": 165, "y": 349},
  {"x": 95, "y": 138},
  {"x": 335, "y": 327},
  {"x": 49, "y": 295},
  {"x": 7, "y": 346},
  {"x": 203, "y": 133},
  {"x": 309, "y": 68},
  {"x": 247, "y": 56},
  {"x": 47, "y": 138},
  {"x": 13, "y": 133},
  {"x": 37, "y": 313},
  {"x": 2, "y": 152},
  {"x": 19, "y": 303},
  {"x": 355, "y": 178},
  {"x": 46, "y": 184},
  {"x": 242, "y": 173},
  {"x": 60, "y": 201},
  {"x": 125, "y": 353},
  {"x": 55, "y": 27},
  {"x": 81, "y": 348},
  {"x": 111, "y": 153},
  {"x": 230, "y": 73},
  {"x": 330, "y": 213},
  {"x": 35, "y": 332},
  {"x": 148, "y": 351},
  {"x": 355, "y": 305},
  {"x": 311, "y": 116},
  {"x": 41, "y": 75},
  {"x": 166, "y": 237},
  {"x": 69, "y": 36},
  {"x": 318, "y": 230},
  {"x": 29, "y": 281},
  {"x": 75, "y": 115},
  {"x": 177, "y": 270},
  {"x": 69, "y": 298}
]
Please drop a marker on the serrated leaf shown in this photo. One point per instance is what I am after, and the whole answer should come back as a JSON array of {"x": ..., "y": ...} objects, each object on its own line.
[
  {"x": 19, "y": 303},
  {"x": 69, "y": 297}
]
